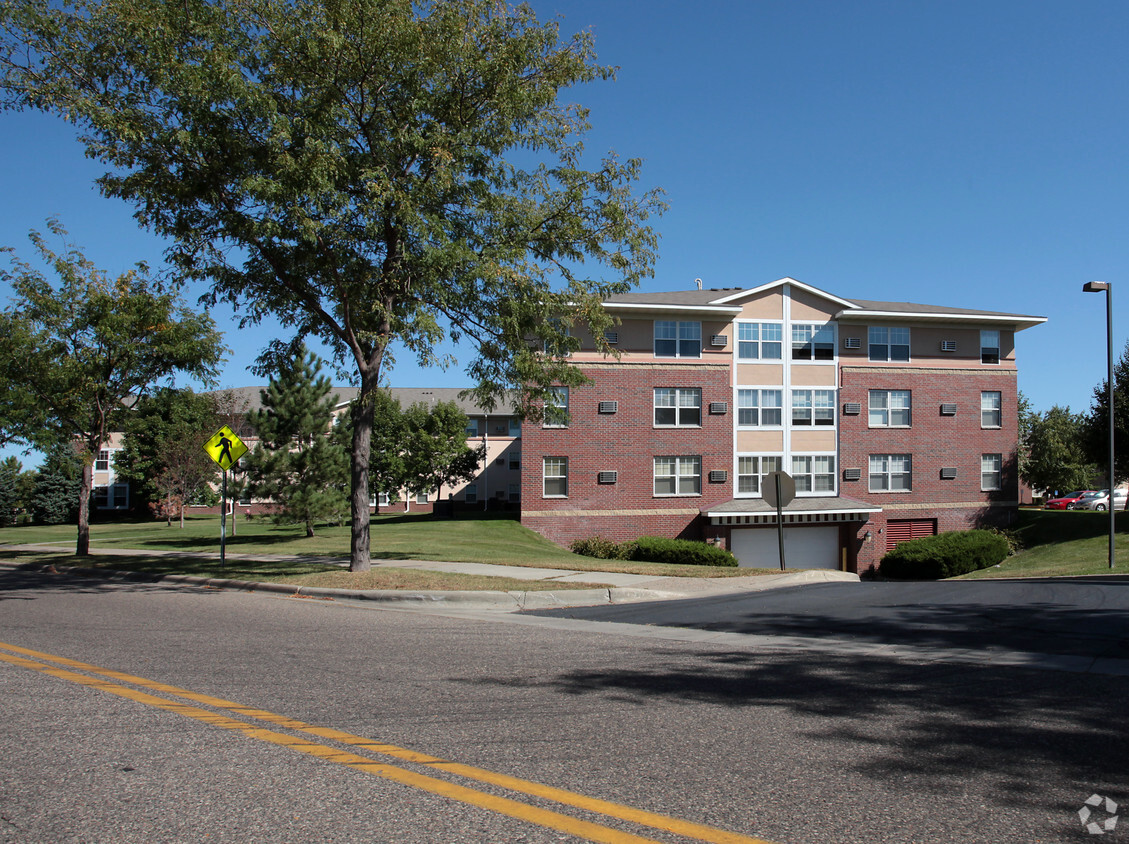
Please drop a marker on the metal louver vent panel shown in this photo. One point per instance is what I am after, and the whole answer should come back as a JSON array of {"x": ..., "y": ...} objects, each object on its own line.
[
  {"x": 852, "y": 408},
  {"x": 606, "y": 477},
  {"x": 948, "y": 410},
  {"x": 719, "y": 476},
  {"x": 719, "y": 407},
  {"x": 852, "y": 474},
  {"x": 609, "y": 407}
]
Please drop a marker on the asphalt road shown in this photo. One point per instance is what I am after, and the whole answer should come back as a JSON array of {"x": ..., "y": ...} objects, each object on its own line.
[
  {"x": 1083, "y": 617},
  {"x": 199, "y": 742}
]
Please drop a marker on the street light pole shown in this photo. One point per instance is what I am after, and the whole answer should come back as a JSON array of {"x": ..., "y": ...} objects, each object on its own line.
[{"x": 1098, "y": 287}]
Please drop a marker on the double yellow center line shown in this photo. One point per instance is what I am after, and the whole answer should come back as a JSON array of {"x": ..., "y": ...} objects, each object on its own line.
[{"x": 181, "y": 701}]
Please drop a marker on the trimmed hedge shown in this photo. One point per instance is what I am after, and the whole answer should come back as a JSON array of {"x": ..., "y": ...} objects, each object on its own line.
[
  {"x": 687, "y": 552},
  {"x": 944, "y": 555},
  {"x": 654, "y": 549}
]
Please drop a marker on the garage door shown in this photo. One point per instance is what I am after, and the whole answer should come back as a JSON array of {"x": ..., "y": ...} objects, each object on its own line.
[{"x": 804, "y": 547}]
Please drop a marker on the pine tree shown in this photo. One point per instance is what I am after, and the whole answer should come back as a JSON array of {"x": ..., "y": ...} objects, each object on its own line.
[
  {"x": 298, "y": 464},
  {"x": 55, "y": 500}
]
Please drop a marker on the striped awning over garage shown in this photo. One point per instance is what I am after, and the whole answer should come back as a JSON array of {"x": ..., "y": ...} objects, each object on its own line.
[{"x": 756, "y": 511}]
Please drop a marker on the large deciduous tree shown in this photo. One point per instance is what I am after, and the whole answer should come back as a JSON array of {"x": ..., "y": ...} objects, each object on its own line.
[
  {"x": 1054, "y": 453},
  {"x": 86, "y": 346},
  {"x": 436, "y": 453},
  {"x": 298, "y": 464},
  {"x": 1097, "y": 422},
  {"x": 381, "y": 174}
]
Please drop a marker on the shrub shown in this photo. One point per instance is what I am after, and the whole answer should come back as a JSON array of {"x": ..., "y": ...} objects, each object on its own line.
[
  {"x": 944, "y": 555},
  {"x": 603, "y": 549},
  {"x": 658, "y": 549}
]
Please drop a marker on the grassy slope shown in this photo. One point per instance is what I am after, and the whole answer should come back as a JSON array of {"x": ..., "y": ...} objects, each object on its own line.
[
  {"x": 1061, "y": 542},
  {"x": 499, "y": 541}
]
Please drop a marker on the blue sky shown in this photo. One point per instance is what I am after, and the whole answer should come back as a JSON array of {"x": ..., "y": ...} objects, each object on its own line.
[{"x": 969, "y": 154}]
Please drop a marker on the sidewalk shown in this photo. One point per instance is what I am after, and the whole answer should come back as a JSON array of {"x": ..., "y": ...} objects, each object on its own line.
[{"x": 620, "y": 589}]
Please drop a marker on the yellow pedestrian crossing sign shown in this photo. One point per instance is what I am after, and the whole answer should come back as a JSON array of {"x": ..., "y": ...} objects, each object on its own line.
[{"x": 225, "y": 448}]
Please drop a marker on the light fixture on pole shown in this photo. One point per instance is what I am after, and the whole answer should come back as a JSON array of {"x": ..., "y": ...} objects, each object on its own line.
[{"x": 1098, "y": 287}]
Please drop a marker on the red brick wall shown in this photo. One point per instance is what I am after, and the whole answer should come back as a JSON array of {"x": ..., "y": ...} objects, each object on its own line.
[
  {"x": 627, "y": 442},
  {"x": 936, "y": 442}
]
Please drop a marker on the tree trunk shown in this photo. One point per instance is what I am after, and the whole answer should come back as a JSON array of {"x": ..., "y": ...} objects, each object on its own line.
[
  {"x": 86, "y": 488},
  {"x": 359, "y": 556}
]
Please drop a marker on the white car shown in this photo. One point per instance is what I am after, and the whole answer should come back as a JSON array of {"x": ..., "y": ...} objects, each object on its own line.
[{"x": 1100, "y": 501}]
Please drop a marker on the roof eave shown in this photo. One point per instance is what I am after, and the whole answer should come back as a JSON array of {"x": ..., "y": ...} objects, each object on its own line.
[{"x": 1017, "y": 321}]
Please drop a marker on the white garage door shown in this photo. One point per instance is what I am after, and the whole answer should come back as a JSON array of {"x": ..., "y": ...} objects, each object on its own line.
[{"x": 804, "y": 547}]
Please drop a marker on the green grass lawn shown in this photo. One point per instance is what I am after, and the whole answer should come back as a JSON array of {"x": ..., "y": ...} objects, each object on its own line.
[
  {"x": 1063, "y": 542},
  {"x": 403, "y": 537}
]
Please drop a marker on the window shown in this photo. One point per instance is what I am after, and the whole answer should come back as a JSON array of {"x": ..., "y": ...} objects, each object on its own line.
[
  {"x": 102, "y": 464},
  {"x": 101, "y": 497},
  {"x": 888, "y": 343},
  {"x": 515, "y": 427},
  {"x": 760, "y": 341},
  {"x": 472, "y": 427},
  {"x": 678, "y": 406},
  {"x": 751, "y": 469},
  {"x": 991, "y": 414},
  {"x": 990, "y": 470},
  {"x": 891, "y": 473},
  {"x": 813, "y": 342},
  {"x": 890, "y": 408},
  {"x": 555, "y": 476},
  {"x": 384, "y": 499},
  {"x": 760, "y": 408},
  {"x": 813, "y": 407},
  {"x": 989, "y": 347},
  {"x": 120, "y": 496},
  {"x": 556, "y": 408},
  {"x": 678, "y": 339},
  {"x": 515, "y": 461},
  {"x": 813, "y": 473},
  {"x": 421, "y": 498},
  {"x": 678, "y": 475},
  {"x": 470, "y": 494},
  {"x": 515, "y": 492}
]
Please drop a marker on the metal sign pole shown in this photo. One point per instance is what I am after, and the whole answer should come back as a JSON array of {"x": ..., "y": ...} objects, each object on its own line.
[
  {"x": 223, "y": 522},
  {"x": 779, "y": 519}
]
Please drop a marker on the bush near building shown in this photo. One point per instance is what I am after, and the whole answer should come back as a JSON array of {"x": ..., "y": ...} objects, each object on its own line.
[
  {"x": 945, "y": 555},
  {"x": 655, "y": 549}
]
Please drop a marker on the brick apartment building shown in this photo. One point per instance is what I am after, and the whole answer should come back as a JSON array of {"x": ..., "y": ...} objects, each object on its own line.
[{"x": 895, "y": 420}]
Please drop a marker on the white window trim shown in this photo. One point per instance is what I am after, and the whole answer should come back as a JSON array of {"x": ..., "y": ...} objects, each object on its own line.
[
  {"x": 831, "y": 426},
  {"x": 817, "y": 327},
  {"x": 998, "y": 347},
  {"x": 545, "y": 476},
  {"x": 869, "y": 409},
  {"x": 888, "y": 344},
  {"x": 677, "y": 407},
  {"x": 760, "y": 473},
  {"x": 760, "y": 426},
  {"x": 816, "y": 493},
  {"x": 678, "y": 458},
  {"x": 556, "y": 405},
  {"x": 760, "y": 358},
  {"x": 998, "y": 410},
  {"x": 869, "y": 474},
  {"x": 678, "y": 323},
  {"x": 998, "y": 472}
]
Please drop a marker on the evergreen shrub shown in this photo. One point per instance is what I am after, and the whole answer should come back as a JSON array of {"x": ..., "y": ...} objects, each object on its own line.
[
  {"x": 658, "y": 549},
  {"x": 944, "y": 555}
]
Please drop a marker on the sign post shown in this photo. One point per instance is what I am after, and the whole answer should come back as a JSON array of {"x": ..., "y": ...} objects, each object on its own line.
[
  {"x": 779, "y": 490},
  {"x": 225, "y": 448}
]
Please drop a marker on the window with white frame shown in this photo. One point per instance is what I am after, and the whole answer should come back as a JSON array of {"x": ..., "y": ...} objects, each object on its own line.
[
  {"x": 751, "y": 470},
  {"x": 678, "y": 407},
  {"x": 760, "y": 341},
  {"x": 119, "y": 495},
  {"x": 556, "y": 408},
  {"x": 813, "y": 341},
  {"x": 813, "y": 472},
  {"x": 678, "y": 475},
  {"x": 384, "y": 499},
  {"x": 890, "y": 408},
  {"x": 470, "y": 493},
  {"x": 813, "y": 407},
  {"x": 989, "y": 346},
  {"x": 675, "y": 339},
  {"x": 555, "y": 477},
  {"x": 991, "y": 409},
  {"x": 102, "y": 462},
  {"x": 888, "y": 342},
  {"x": 891, "y": 473},
  {"x": 472, "y": 427},
  {"x": 760, "y": 408},
  {"x": 991, "y": 468},
  {"x": 515, "y": 426},
  {"x": 422, "y": 498}
]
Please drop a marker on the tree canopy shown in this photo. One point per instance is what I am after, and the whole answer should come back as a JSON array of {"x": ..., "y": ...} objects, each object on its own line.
[
  {"x": 1054, "y": 453},
  {"x": 380, "y": 174},
  {"x": 79, "y": 351}
]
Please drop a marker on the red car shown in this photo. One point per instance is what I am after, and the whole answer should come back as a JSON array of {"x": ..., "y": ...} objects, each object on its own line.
[{"x": 1069, "y": 498}]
